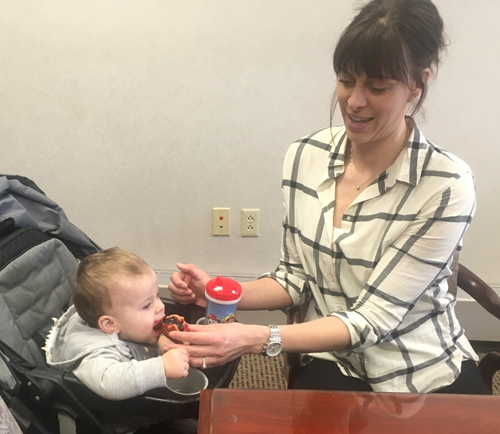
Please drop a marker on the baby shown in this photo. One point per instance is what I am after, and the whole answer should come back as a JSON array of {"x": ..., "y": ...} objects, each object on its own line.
[{"x": 108, "y": 337}]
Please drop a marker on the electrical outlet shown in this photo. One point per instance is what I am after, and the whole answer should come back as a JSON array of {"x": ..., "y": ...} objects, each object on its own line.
[
  {"x": 220, "y": 221},
  {"x": 250, "y": 222}
]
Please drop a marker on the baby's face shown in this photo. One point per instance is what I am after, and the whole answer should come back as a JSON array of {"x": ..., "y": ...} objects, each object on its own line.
[{"x": 136, "y": 306}]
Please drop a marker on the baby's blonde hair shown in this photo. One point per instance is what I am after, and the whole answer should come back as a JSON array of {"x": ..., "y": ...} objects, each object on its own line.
[{"x": 95, "y": 277}]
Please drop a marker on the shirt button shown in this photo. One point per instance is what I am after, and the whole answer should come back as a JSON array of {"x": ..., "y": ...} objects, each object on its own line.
[{"x": 348, "y": 218}]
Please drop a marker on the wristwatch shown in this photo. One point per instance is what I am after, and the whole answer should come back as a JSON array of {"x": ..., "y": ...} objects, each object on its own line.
[{"x": 273, "y": 346}]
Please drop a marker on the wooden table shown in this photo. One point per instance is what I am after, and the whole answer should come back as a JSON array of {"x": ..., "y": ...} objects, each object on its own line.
[{"x": 234, "y": 411}]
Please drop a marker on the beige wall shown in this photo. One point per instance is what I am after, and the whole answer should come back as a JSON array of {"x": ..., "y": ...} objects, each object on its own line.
[{"x": 138, "y": 117}]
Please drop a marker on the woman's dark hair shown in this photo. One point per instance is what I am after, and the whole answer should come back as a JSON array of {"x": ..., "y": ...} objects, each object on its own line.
[{"x": 394, "y": 39}]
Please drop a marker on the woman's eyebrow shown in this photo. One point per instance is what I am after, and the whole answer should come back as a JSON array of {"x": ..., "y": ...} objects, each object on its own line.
[{"x": 385, "y": 80}]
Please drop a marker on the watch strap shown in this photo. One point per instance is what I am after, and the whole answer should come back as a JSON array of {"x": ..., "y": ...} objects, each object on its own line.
[{"x": 274, "y": 338}]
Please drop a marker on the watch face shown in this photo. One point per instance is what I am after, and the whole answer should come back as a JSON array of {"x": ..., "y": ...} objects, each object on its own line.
[{"x": 274, "y": 348}]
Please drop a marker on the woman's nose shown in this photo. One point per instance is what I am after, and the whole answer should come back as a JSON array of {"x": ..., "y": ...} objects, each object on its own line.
[{"x": 357, "y": 98}]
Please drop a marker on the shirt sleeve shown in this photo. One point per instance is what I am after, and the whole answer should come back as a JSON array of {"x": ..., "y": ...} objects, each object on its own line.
[
  {"x": 106, "y": 374},
  {"x": 414, "y": 266},
  {"x": 290, "y": 273}
]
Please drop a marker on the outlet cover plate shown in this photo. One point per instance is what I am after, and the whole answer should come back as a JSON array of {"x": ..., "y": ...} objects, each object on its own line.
[{"x": 250, "y": 222}]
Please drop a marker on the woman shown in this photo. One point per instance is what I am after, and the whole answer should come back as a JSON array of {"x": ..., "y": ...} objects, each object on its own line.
[{"x": 374, "y": 216}]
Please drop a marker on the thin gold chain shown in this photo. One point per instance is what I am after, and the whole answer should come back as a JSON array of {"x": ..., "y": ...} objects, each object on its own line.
[{"x": 353, "y": 165}]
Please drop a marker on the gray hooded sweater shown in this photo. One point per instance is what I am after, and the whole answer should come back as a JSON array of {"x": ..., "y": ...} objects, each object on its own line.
[{"x": 110, "y": 367}]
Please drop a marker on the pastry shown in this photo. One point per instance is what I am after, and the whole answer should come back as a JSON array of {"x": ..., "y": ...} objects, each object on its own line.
[{"x": 172, "y": 323}]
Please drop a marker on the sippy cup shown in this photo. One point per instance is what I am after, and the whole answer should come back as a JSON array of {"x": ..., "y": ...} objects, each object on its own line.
[{"x": 223, "y": 295}]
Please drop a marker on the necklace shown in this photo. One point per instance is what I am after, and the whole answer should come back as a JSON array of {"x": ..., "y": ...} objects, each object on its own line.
[{"x": 353, "y": 165}]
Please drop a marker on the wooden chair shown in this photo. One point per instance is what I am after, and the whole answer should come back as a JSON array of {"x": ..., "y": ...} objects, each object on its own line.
[
  {"x": 490, "y": 301},
  {"x": 462, "y": 277}
]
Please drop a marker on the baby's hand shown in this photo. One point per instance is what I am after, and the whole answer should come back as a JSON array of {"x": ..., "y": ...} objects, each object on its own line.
[{"x": 176, "y": 363}]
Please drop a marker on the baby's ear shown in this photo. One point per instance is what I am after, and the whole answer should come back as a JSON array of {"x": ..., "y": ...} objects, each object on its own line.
[{"x": 108, "y": 324}]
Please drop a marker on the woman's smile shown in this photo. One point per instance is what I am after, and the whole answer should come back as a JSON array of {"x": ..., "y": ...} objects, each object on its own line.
[{"x": 358, "y": 122}]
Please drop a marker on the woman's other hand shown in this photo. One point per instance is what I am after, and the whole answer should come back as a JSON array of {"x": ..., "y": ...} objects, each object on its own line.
[{"x": 188, "y": 285}]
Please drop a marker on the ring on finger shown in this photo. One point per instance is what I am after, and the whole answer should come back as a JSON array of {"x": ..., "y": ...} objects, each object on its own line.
[{"x": 204, "y": 366}]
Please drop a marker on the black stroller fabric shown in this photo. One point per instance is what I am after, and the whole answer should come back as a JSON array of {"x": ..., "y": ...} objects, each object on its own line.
[
  {"x": 39, "y": 249},
  {"x": 36, "y": 272},
  {"x": 23, "y": 204},
  {"x": 30, "y": 299},
  {"x": 51, "y": 271}
]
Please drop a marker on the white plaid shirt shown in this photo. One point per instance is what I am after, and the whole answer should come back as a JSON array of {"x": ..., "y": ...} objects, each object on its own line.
[{"x": 384, "y": 272}]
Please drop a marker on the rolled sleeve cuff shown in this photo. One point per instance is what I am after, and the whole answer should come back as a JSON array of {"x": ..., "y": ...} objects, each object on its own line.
[{"x": 362, "y": 334}]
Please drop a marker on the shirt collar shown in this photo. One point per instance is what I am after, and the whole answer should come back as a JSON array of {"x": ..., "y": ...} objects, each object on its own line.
[
  {"x": 414, "y": 159},
  {"x": 407, "y": 168},
  {"x": 336, "y": 165}
]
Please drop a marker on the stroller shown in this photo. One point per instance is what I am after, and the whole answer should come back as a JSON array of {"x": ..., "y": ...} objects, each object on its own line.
[{"x": 39, "y": 249}]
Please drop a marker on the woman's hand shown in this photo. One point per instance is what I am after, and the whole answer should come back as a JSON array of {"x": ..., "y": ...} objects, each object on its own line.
[
  {"x": 220, "y": 343},
  {"x": 188, "y": 285},
  {"x": 163, "y": 342}
]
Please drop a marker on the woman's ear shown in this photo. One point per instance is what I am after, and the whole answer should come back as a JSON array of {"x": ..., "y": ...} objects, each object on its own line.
[
  {"x": 108, "y": 324},
  {"x": 417, "y": 89},
  {"x": 426, "y": 74}
]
